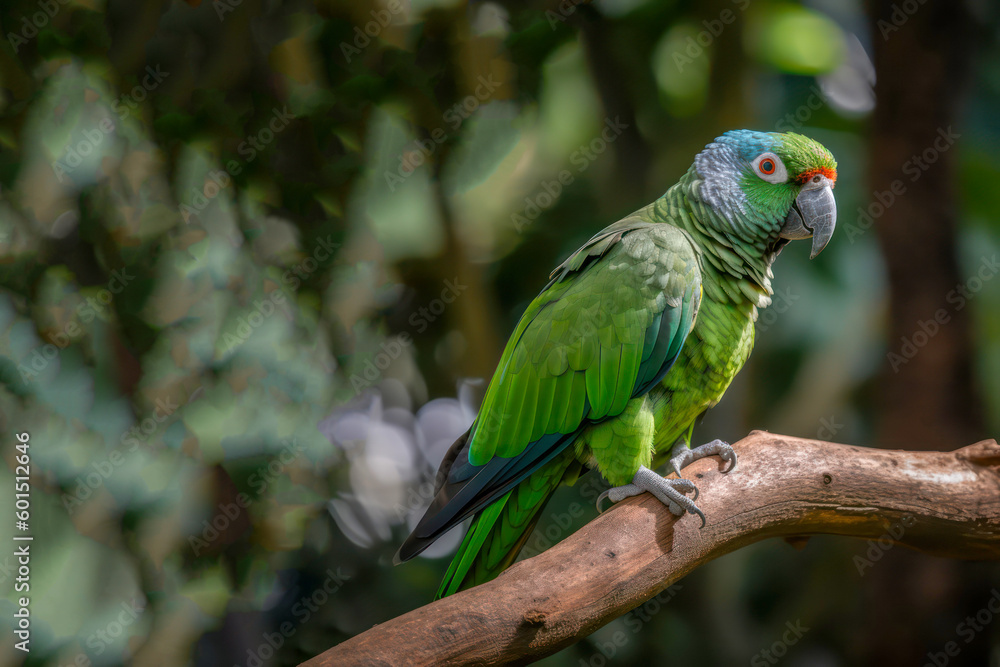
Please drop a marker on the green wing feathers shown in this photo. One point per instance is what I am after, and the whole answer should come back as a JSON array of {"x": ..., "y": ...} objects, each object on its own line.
[
  {"x": 603, "y": 332},
  {"x": 577, "y": 352},
  {"x": 498, "y": 533}
]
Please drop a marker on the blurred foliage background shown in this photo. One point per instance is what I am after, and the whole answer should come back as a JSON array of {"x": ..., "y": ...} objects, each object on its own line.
[{"x": 257, "y": 257}]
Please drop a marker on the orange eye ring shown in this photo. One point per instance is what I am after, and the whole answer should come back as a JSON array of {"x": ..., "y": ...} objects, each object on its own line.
[{"x": 766, "y": 166}]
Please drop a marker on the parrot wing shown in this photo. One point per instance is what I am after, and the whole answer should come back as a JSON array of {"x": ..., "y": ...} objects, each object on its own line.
[{"x": 605, "y": 329}]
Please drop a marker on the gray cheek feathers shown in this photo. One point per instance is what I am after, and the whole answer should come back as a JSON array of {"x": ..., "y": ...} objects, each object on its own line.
[{"x": 720, "y": 168}]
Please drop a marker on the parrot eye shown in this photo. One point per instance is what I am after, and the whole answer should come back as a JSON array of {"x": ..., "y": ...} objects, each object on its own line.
[{"x": 770, "y": 167}]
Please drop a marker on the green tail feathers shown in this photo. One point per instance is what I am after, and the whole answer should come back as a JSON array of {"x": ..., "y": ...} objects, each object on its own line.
[{"x": 498, "y": 533}]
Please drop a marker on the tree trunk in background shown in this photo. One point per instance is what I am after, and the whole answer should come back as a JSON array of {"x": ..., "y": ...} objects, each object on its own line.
[
  {"x": 925, "y": 62},
  {"x": 632, "y": 154},
  {"x": 921, "y": 62}
]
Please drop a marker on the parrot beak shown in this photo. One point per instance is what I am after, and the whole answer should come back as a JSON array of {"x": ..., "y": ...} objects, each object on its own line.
[{"x": 814, "y": 214}]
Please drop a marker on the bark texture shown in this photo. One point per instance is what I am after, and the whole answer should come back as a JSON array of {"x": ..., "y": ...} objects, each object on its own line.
[{"x": 782, "y": 487}]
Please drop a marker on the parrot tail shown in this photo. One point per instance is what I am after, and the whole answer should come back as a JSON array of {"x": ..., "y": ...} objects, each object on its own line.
[{"x": 499, "y": 531}]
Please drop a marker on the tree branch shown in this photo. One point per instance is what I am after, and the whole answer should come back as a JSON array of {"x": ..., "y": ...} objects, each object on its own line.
[{"x": 949, "y": 503}]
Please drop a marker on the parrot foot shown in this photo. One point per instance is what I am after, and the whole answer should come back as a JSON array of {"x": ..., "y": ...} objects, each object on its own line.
[
  {"x": 670, "y": 492},
  {"x": 683, "y": 456}
]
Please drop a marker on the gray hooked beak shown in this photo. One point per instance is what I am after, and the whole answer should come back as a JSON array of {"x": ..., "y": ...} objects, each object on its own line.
[{"x": 814, "y": 214}]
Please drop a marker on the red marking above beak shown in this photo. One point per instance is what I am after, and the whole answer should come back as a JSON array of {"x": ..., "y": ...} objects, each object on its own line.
[{"x": 805, "y": 176}]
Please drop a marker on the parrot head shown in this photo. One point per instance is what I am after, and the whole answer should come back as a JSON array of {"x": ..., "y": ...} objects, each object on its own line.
[{"x": 771, "y": 184}]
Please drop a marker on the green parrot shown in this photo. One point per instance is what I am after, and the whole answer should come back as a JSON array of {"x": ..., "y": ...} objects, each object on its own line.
[{"x": 637, "y": 334}]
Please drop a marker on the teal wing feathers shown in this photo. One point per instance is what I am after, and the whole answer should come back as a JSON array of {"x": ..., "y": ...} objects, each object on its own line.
[
  {"x": 606, "y": 329},
  {"x": 586, "y": 337}
]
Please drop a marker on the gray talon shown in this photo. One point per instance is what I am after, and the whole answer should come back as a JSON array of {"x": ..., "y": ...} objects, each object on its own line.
[
  {"x": 685, "y": 457},
  {"x": 670, "y": 492}
]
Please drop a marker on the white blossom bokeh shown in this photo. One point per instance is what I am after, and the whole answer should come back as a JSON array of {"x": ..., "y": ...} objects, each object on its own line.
[{"x": 393, "y": 454}]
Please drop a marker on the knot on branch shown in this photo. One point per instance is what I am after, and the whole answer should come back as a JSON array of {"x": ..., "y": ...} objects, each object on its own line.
[
  {"x": 534, "y": 617},
  {"x": 984, "y": 453}
]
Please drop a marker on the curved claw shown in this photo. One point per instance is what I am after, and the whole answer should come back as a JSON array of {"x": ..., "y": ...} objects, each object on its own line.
[
  {"x": 680, "y": 461},
  {"x": 600, "y": 498},
  {"x": 684, "y": 485},
  {"x": 729, "y": 456},
  {"x": 695, "y": 510},
  {"x": 619, "y": 493},
  {"x": 720, "y": 448},
  {"x": 677, "y": 509},
  {"x": 689, "y": 504}
]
